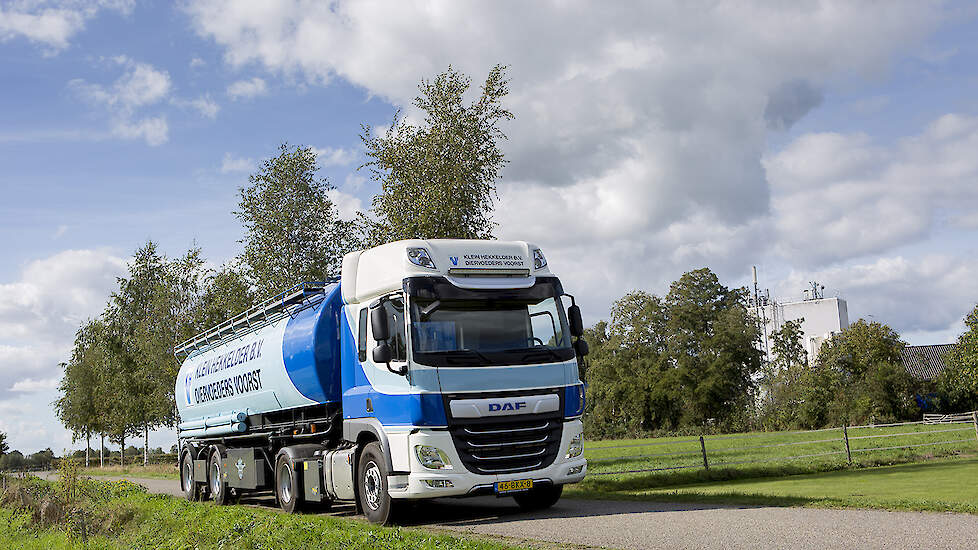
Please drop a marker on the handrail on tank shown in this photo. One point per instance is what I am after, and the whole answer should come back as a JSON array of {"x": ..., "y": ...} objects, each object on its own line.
[{"x": 277, "y": 306}]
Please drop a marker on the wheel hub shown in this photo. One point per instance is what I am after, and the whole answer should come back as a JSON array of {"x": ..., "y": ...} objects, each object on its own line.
[
  {"x": 285, "y": 482},
  {"x": 372, "y": 485}
]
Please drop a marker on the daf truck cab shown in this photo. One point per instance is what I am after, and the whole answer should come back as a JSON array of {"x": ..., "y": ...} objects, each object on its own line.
[{"x": 428, "y": 368}]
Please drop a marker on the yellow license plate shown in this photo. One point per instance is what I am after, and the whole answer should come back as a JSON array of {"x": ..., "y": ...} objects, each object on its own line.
[{"x": 514, "y": 486}]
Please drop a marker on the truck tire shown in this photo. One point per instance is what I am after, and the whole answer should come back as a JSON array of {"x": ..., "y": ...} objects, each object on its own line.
[
  {"x": 539, "y": 498},
  {"x": 215, "y": 478},
  {"x": 288, "y": 488},
  {"x": 374, "y": 499},
  {"x": 191, "y": 490}
]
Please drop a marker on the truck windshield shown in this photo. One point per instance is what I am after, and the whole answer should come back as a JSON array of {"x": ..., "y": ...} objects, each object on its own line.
[{"x": 461, "y": 327}]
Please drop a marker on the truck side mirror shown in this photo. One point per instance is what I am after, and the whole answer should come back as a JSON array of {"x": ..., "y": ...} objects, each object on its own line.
[
  {"x": 581, "y": 347},
  {"x": 574, "y": 318},
  {"x": 378, "y": 325},
  {"x": 382, "y": 353}
]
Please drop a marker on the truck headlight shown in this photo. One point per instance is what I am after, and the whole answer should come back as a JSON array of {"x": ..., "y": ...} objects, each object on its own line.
[
  {"x": 432, "y": 457},
  {"x": 419, "y": 256},
  {"x": 576, "y": 446},
  {"x": 539, "y": 260}
]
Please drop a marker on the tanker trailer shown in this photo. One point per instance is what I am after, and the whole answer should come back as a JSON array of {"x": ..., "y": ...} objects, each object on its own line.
[{"x": 428, "y": 368}]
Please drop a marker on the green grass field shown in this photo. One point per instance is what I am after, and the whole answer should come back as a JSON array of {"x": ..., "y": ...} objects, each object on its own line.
[
  {"x": 122, "y": 516},
  {"x": 153, "y": 471},
  {"x": 765, "y": 454},
  {"x": 939, "y": 485}
]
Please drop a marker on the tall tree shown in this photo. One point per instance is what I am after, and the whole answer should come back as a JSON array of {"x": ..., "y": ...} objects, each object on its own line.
[
  {"x": 869, "y": 380},
  {"x": 226, "y": 293},
  {"x": 143, "y": 322},
  {"x": 438, "y": 178},
  {"x": 293, "y": 231},
  {"x": 77, "y": 408},
  {"x": 678, "y": 361},
  {"x": 712, "y": 341},
  {"x": 958, "y": 384},
  {"x": 4, "y": 447}
]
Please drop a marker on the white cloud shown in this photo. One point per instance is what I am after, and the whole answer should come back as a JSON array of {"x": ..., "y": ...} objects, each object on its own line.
[
  {"x": 354, "y": 182},
  {"x": 334, "y": 156},
  {"x": 837, "y": 197},
  {"x": 39, "y": 314},
  {"x": 60, "y": 231},
  {"x": 347, "y": 204},
  {"x": 197, "y": 62},
  {"x": 140, "y": 86},
  {"x": 207, "y": 107},
  {"x": 231, "y": 164},
  {"x": 930, "y": 293},
  {"x": 639, "y": 149},
  {"x": 52, "y": 24},
  {"x": 30, "y": 385},
  {"x": 247, "y": 89},
  {"x": 613, "y": 103},
  {"x": 154, "y": 130}
]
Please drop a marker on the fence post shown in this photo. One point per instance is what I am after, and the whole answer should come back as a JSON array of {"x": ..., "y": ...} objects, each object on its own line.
[
  {"x": 845, "y": 436},
  {"x": 974, "y": 418},
  {"x": 706, "y": 463}
]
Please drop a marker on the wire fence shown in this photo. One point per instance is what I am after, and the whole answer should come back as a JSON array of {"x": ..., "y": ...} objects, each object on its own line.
[{"x": 951, "y": 433}]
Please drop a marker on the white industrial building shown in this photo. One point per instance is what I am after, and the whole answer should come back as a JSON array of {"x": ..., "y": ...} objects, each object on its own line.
[{"x": 822, "y": 317}]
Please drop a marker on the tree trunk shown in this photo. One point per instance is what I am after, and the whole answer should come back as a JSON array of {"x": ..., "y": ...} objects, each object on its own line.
[
  {"x": 88, "y": 446},
  {"x": 101, "y": 451},
  {"x": 122, "y": 452},
  {"x": 145, "y": 444}
]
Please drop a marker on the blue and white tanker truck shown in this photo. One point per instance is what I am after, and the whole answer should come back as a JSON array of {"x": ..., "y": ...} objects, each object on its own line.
[{"x": 429, "y": 368}]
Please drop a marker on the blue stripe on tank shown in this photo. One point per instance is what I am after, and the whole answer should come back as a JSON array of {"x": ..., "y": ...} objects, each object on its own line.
[{"x": 311, "y": 351}]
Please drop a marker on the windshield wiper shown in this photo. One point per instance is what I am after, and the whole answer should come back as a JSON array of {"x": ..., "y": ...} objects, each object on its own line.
[
  {"x": 455, "y": 354},
  {"x": 529, "y": 353}
]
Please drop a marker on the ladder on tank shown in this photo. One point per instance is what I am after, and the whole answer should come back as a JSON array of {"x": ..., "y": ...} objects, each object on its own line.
[{"x": 288, "y": 303}]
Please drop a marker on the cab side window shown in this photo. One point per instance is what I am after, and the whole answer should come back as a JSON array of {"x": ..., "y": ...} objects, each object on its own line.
[
  {"x": 362, "y": 336},
  {"x": 394, "y": 310}
]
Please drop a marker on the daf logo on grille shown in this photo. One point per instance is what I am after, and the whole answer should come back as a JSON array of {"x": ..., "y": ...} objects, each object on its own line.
[{"x": 507, "y": 406}]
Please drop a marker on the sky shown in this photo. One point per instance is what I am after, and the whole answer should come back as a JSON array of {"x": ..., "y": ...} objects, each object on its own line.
[{"x": 819, "y": 141}]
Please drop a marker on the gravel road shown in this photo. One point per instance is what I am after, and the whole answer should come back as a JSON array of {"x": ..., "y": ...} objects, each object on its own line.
[{"x": 644, "y": 525}]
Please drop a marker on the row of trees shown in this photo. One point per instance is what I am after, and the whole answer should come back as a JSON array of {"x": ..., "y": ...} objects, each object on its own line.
[
  {"x": 689, "y": 361},
  {"x": 437, "y": 180}
]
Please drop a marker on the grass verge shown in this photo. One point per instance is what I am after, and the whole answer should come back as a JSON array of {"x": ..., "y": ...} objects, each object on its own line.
[
  {"x": 938, "y": 485},
  {"x": 152, "y": 471},
  {"x": 34, "y": 515},
  {"x": 766, "y": 454}
]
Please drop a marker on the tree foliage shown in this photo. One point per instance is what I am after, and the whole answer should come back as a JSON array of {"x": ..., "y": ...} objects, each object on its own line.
[
  {"x": 679, "y": 362},
  {"x": 958, "y": 384},
  {"x": 4, "y": 447},
  {"x": 438, "y": 178},
  {"x": 868, "y": 380},
  {"x": 293, "y": 231}
]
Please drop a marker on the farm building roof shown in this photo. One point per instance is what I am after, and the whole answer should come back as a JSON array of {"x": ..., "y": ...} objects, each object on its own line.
[{"x": 926, "y": 362}]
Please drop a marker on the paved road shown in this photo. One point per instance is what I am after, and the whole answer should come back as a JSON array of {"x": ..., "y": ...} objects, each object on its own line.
[{"x": 645, "y": 525}]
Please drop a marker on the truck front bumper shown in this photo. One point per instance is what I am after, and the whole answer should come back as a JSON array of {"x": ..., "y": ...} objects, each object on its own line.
[{"x": 423, "y": 482}]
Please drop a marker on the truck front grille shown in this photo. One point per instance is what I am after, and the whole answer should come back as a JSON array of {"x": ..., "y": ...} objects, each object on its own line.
[{"x": 508, "y": 444}]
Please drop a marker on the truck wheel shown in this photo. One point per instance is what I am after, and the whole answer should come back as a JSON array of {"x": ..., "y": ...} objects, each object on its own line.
[
  {"x": 191, "y": 491},
  {"x": 287, "y": 487},
  {"x": 219, "y": 489},
  {"x": 539, "y": 498},
  {"x": 375, "y": 501}
]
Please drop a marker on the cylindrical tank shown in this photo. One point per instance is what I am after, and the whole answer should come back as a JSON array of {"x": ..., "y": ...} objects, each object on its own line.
[{"x": 292, "y": 362}]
